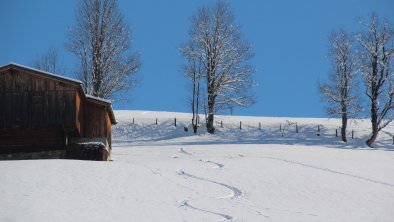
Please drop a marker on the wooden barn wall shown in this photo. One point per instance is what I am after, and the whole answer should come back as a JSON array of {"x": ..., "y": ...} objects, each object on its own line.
[
  {"x": 79, "y": 113},
  {"x": 29, "y": 100},
  {"x": 31, "y": 139},
  {"x": 95, "y": 122},
  {"x": 34, "y": 109},
  {"x": 109, "y": 129}
]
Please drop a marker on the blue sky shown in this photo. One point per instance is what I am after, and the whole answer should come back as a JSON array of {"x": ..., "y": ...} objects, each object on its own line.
[{"x": 289, "y": 40}]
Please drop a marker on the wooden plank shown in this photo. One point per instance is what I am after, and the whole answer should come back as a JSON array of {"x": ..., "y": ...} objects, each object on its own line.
[
  {"x": 37, "y": 108},
  {"x": 31, "y": 140},
  {"x": 8, "y": 110},
  {"x": 2, "y": 109},
  {"x": 78, "y": 114},
  {"x": 24, "y": 109}
]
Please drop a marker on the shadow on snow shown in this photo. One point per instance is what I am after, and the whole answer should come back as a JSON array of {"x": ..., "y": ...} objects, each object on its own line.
[{"x": 166, "y": 133}]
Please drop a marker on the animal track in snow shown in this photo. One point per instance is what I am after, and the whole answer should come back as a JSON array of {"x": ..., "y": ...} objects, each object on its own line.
[
  {"x": 225, "y": 216},
  {"x": 235, "y": 191},
  {"x": 217, "y": 165}
]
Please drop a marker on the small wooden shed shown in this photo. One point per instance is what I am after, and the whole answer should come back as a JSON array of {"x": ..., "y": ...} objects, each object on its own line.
[{"x": 41, "y": 112}]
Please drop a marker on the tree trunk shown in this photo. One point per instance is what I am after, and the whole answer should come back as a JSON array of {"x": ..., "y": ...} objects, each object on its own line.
[
  {"x": 194, "y": 121},
  {"x": 211, "y": 109},
  {"x": 374, "y": 121},
  {"x": 196, "y": 116},
  {"x": 344, "y": 124},
  {"x": 210, "y": 127}
]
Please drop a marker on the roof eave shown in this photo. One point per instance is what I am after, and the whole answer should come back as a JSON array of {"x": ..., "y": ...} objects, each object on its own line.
[{"x": 40, "y": 72}]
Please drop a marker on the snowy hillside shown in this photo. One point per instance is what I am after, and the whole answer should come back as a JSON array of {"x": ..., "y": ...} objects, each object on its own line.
[
  {"x": 254, "y": 130},
  {"x": 162, "y": 173}
]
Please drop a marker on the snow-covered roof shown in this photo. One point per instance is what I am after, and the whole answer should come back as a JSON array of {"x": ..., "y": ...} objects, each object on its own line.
[
  {"x": 48, "y": 74},
  {"x": 98, "y": 99}
]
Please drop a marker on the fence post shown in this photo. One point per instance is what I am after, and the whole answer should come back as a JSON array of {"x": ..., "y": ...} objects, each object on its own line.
[
  {"x": 318, "y": 128},
  {"x": 336, "y": 132},
  {"x": 221, "y": 123},
  {"x": 240, "y": 125},
  {"x": 296, "y": 128},
  {"x": 156, "y": 121},
  {"x": 175, "y": 121}
]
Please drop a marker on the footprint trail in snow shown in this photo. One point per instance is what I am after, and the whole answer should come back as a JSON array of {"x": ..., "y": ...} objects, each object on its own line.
[
  {"x": 235, "y": 191},
  {"x": 225, "y": 216},
  {"x": 217, "y": 165}
]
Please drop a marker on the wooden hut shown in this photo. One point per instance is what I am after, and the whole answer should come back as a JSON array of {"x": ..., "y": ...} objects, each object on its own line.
[{"x": 43, "y": 112}]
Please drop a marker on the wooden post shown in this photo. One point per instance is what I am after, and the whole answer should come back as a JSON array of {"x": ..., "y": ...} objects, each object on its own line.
[
  {"x": 352, "y": 134},
  {"x": 156, "y": 121},
  {"x": 175, "y": 121},
  {"x": 318, "y": 128},
  {"x": 240, "y": 125},
  {"x": 221, "y": 123},
  {"x": 336, "y": 132},
  {"x": 296, "y": 128},
  {"x": 133, "y": 121}
]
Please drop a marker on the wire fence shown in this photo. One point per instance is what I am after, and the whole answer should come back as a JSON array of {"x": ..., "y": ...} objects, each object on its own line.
[{"x": 283, "y": 129}]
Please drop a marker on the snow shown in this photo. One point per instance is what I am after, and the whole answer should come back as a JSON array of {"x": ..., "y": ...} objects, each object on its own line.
[
  {"x": 161, "y": 173},
  {"x": 98, "y": 99}
]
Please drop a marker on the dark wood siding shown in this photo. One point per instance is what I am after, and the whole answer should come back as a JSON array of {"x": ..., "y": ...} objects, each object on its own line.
[
  {"x": 79, "y": 113},
  {"x": 31, "y": 139},
  {"x": 109, "y": 130},
  {"x": 35, "y": 111},
  {"x": 37, "y": 108},
  {"x": 95, "y": 125}
]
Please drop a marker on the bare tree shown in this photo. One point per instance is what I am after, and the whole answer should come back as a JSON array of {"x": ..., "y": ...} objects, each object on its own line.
[
  {"x": 339, "y": 91},
  {"x": 193, "y": 72},
  {"x": 102, "y": 41},
  {"x": 376, "y": 54},
  {"x": 215, "y": 41},
  {"x": 49, "y": 62}
]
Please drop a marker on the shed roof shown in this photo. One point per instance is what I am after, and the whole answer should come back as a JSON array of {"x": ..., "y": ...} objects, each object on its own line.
[
  {"x": 97, "y": 100},
  {"x": 39, "y": 72}
]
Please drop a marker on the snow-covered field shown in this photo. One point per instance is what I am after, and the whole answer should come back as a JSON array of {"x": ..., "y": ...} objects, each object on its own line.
[{"x": 161, "y": 173}]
